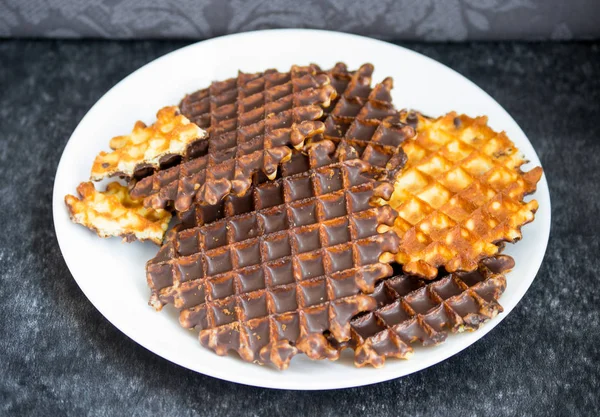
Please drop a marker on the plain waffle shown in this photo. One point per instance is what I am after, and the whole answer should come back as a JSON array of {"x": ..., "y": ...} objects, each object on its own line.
[
  {"x": 114, "y": 213},
  {"x": 147, "y": 147},
  {"x": 459, "y": 195}
]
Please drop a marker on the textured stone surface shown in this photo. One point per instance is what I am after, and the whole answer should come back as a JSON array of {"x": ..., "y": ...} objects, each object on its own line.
[{"x": 59, "y": 356}]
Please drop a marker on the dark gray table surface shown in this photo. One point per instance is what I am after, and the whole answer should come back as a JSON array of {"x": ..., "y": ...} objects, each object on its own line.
[{"x": 59, "y": 356}]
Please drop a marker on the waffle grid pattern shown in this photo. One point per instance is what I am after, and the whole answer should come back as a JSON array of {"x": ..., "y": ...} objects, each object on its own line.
[
  {"x": 114, "y": 213},
  {"x": 360, "y": 118},
  {"x": 341, "y": 80},
  {"x": 412, "y": 310},
  {"x": 364, "y": 117},
  {"x": 459, "y": 195},
  {"x": 273, "y": 282},
  {"x": 147, "y": 148},
  {"x": 253, "y": 124}
]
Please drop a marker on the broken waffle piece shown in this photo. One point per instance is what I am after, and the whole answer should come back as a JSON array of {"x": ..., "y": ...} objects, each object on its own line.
[
  {"x": 277, "y": 281},
  {"x": 410, "y": 310},
  {"x": 146, "y": 147},
  {"x": 254, "y": 121},
  {"x": 114, "y": 213},
  {"x": 460, "y": 194}
]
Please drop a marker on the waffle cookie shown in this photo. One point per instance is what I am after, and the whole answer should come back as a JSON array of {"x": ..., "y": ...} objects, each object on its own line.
[
  {"x": 459, "y": 195},
  {"x": 204, "y": 106},
  {"x": 146, "y": 147},
  {"x": 114, "y": 213},
  {"x": 364, "y": 118},
  {"x": 410, "y": 310},
  {"x": 360, "y": 116},
  {"x": 255, "y": 121},
  {"x": 276, "y": 281}
]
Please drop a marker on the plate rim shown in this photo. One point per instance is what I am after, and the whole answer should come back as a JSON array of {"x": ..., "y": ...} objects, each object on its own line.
[{"x": 542, "y": 193}]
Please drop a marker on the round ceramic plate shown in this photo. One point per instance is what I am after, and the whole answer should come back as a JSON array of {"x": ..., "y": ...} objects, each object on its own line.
[{"x": 112, "y": 275}]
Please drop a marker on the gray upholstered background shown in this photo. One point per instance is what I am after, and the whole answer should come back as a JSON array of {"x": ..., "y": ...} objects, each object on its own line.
[{"x": 389, "y": 19}]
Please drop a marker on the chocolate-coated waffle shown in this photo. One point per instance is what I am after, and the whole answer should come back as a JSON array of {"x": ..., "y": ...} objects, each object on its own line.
[
  {"x": 203, "y": 106},
  {"x": 459, "y": 195},
  {"x": 255, "y": 120},
  {"x": 200, "y": 107},
  {"x": 410, "y": 310},
  {"x": 364, "y": 117},
  {"x": 361, "y": 116},
  {"x": 348, "y": 83},
  {"x": 274, "y": 282}
]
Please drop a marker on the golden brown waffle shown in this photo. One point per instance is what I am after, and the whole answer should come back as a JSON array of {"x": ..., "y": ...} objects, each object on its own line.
[
  {"x": 274, "y": 282},
  {"x": 410, "y": 310},
  {"x": 360, "y": 116},
  {"x": 147, "y": 146},
  {"x": 114, "y": 213},
  {"x": 255, "y": 121},
  {"x": 459, "y": 194}
]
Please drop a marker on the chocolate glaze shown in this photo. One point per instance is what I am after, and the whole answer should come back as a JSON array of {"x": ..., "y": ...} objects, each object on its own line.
[
  {"x": 293, "y": 269},
  {"x": 372, "y": 136},
  {"x": 411, "y": 310},
  {"x": 253, "y": 122},
  {"x": 365, "y": 120}
]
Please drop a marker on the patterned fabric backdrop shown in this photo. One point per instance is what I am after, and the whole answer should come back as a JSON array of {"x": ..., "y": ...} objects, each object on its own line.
[{"x": 454, "y": 20}]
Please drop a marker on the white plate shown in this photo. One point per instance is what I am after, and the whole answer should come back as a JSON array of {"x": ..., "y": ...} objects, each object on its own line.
[{"x": 111, "y": 274}]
